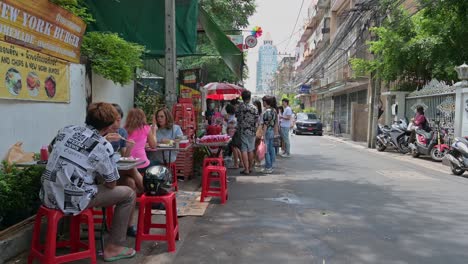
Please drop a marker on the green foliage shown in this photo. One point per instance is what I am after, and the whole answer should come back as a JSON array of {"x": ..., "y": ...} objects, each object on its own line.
[
  {"x": 419, "y": 47},
  {"x": 76, "y": 7},
  {"x": 19, "y": 193},
  {"x": 111, "y": 56},
  {"x": 228, "y": 15},
  {"x": 148, "y": 100},
  {"x": 310, "y": 110},
  {"x": 362, "y": 67}
]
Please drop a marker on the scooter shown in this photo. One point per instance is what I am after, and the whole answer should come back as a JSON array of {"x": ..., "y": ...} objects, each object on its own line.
[
  {"x": 396, "y": 136},
  {"x": 430, "y": 143},
  {"x": 457, "y": 157}
]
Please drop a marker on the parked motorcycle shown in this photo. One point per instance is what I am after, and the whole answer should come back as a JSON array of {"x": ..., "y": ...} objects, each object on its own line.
[
  {"x": 396, "y": 136},
  {"x": 457, "y": 157},
  {"x": 430, "y": 143}
]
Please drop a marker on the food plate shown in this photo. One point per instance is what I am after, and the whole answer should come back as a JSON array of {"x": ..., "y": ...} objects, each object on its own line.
[
  {"x": 128, "y": 159},
  {"x": 165, "y": 146}
]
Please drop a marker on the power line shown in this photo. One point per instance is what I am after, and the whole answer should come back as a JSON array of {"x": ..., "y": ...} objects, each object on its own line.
[{"x": 295, "y": 24}]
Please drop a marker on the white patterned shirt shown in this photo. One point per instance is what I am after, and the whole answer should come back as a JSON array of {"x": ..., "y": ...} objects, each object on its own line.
[{"x": 79, "y": 155}]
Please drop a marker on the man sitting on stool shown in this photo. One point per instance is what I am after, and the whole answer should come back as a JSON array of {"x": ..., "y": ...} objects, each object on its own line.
[{"x": 79, "y": 155}]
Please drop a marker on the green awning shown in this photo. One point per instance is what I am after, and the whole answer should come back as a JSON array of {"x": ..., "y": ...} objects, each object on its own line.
[
  {"x": 142, "y": 22},
  {"x": 230, "y": 53}
]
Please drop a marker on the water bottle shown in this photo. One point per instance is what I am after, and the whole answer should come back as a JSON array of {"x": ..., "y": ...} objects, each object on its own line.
[{"x": 44, "y": 153}]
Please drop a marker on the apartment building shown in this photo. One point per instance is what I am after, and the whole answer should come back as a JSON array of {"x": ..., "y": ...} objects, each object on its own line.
[{"x": 336, "y": 31}]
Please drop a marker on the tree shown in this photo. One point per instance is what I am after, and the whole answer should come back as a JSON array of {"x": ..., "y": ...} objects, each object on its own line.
[
  {"x": 108, "y": 54},
  {"x": 417, "y": 47},
  {"x": 230, "y": 15}
]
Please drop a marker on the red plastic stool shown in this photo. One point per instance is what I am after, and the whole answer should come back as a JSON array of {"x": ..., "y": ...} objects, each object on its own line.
[
  {"x": 46, "y": 253},
  {"x": 173, "y": 169},
  {"x": 145, "y": 224},
  {"x": 213, "y": 162},
  {"x": 208, "y": 178}
]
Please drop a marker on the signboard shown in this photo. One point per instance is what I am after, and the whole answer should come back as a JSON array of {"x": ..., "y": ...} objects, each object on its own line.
[
  {"x": 187, "y": 92},
  {"x": 42, "y": 26},
  {"x": 30, "y": 75},
  {"x": 304, "y": 89},
  {"x": 238, "y": 40},
  {"x": 190, "y": 78},
  {"x": 250, "y": 41}
]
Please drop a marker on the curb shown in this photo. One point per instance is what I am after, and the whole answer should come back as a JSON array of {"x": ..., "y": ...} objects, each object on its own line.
[{"x": 428, "y": 164}]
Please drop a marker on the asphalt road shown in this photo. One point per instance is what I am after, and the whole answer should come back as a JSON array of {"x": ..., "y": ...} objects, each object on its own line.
[{"x": 333, "y": 203}]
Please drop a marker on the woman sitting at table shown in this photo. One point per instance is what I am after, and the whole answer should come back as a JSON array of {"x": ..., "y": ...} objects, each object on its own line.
[
  {"x": 140, "y": 132},
  {"x": 167, "y": 131}
]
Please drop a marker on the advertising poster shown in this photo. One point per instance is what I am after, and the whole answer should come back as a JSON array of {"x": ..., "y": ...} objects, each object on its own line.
[
  {"x": 187, "y": 92},
  {"x": 30, "y": 75}
]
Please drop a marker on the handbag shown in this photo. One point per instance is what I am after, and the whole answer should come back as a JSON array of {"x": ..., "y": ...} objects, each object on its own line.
[
  {"x": 261, "y": 150},
  {"x": 277, "y": 142}
]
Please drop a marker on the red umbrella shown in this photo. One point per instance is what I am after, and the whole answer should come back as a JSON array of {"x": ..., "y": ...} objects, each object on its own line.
[{"x": 223, "y": 91}]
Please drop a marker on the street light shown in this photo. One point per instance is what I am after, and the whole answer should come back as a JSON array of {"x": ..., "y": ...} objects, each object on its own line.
[{"x": 462, "y": 71}]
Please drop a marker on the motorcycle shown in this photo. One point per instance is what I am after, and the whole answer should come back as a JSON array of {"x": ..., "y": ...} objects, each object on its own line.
[
  {"x": 457, "y": 157},
  {"x": 396, "y": 136},
  {"x": 430, "y": 143}
]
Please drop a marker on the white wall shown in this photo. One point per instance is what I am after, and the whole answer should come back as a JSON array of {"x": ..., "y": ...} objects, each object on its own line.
[
  {"x": 107, "y": 91},
  {"x": 36, "y": 123}
]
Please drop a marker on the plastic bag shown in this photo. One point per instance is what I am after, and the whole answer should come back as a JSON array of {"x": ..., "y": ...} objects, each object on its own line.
[
  {"x": 16, "y": 154},
  {"x": 261, "y": 150}
]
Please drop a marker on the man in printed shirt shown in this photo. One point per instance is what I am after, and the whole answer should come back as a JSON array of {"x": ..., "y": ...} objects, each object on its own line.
[
  {"x": 247, "y": 116},
  {"x": 80, "y": 154}
]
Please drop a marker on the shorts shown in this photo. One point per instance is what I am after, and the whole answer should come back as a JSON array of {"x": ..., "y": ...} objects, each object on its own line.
[{"x": 247, "y": 143}]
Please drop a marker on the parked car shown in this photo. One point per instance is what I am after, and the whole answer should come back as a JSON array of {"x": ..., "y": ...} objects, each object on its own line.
[{"x": 307, "y": 123}]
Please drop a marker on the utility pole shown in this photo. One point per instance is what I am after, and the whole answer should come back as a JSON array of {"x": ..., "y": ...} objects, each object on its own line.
[
  {"x": 170, "y": 54},
  {"x": 374, "y": 95}
]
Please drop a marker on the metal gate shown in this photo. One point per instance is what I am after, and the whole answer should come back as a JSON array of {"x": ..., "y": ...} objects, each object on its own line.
[{"x": 438, "y": 101}]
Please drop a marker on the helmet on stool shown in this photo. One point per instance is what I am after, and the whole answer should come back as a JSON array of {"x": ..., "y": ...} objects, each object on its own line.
[{"x": 157, "y": 180}]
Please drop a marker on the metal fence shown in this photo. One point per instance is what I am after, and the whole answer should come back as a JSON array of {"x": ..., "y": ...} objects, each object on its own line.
[{"x": 438, "y": 101}]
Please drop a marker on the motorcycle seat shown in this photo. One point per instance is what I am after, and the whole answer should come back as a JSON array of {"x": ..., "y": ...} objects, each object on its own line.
[{"x": 427, "y": 135}]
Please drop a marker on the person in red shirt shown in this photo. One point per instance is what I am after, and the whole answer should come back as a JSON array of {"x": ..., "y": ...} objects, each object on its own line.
[{"x": 420, "y": 122}]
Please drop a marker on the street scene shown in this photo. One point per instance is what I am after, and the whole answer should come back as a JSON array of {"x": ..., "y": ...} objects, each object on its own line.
[{"x": 233, "y": 131}]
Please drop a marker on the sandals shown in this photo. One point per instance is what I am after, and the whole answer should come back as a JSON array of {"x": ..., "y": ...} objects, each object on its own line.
[
  {"x": 122, "y": 255},
  {"x": 245, "y": 173}
]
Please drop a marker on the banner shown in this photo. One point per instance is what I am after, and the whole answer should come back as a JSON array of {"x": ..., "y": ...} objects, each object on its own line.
[
  {"x": 42, "y": 26},
  {"x": 30, "y": 75}
]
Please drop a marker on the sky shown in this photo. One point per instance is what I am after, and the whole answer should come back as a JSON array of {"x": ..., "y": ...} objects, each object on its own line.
[{"x": 276, "y": 17}]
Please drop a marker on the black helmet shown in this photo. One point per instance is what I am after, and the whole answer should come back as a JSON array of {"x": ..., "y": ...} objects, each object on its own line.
[{"x": 157, "y": 180}]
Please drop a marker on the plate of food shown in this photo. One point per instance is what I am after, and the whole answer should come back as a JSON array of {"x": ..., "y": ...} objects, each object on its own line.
[
  {"x": 128, "y": 159},
  {"x": 162, "y": 145},
  {"x": 13, "y": 81}
]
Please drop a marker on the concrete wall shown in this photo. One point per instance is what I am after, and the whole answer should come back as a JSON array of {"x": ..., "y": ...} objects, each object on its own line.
[
  {"x": 36, "y": 123},
  {"x": 107, "y": 91}
]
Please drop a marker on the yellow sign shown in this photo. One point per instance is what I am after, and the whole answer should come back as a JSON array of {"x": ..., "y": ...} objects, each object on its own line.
[
  {"x": 42, "y": 26},
  {"x": 30, "y": 75}
]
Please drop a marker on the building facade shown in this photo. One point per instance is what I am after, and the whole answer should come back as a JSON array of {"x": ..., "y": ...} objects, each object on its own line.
[
  {"x": 335, "y": 32},
  {"x": 266, "y": 65}
]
